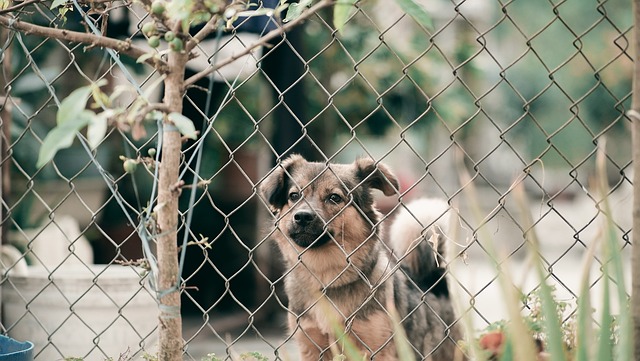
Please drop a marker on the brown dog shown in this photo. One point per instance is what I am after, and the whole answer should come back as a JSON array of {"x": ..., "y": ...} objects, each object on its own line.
[{"x": 346, "y": 287}]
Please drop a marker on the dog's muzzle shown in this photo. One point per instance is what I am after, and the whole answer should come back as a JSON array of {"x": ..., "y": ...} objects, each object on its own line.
[
  {"x": 308, "y": 230},
  {"x": 304, "y": 218}
]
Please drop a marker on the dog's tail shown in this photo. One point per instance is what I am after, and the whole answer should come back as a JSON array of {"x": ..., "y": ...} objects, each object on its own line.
[{"x": 419, "y": 228}]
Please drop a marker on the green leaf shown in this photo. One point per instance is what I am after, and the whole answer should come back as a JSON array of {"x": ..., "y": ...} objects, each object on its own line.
[
  {"x": 62, "y": 137},
  {"x": 57, "y": 3},
  {"x": 99, "y": 97},
  {"x": 181, "y": 11},
  {"x": 185, "y": 125},
  {"x": 341, "y": 12},
  {"x": 417, "y": 12},
  {"x": 71, "y": 117},
  {"x": 296, "y": 9},
  {"x": 257, "y": 12},
  {"x": 33, "y": 82},
  {"x": 144, "y": 57},
  {"x": 62, "y": 13},
  {"x": 97, "y": 128},
  {"x": 56, "y": 139},
  {"x": 73, "y": 105}
]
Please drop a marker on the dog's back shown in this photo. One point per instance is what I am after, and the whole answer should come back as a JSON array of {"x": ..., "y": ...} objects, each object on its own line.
[
  {"x": 420, "y": 227},
  {"x": 418, "y": 239}
]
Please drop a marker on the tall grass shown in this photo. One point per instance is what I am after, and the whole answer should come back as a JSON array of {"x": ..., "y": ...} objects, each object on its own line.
[{"x": 607, "y": 339}]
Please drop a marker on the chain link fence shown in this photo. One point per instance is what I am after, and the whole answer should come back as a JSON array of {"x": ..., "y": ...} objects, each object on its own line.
[{"x": 492, "y": 98}]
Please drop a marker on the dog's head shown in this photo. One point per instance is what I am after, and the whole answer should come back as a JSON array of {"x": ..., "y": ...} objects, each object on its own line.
[{"x": 317, "y": 204}]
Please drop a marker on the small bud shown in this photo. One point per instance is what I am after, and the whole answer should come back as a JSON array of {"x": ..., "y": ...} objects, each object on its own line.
[
  {"x": 154, "y": 41},
  {"x": 149, "y": 28},
  {"x": 130, "y": 165},
  {"x": 158, "y": 7},
  {"x": 169, "y": 36},
  {"x": 176, "y": 45}
]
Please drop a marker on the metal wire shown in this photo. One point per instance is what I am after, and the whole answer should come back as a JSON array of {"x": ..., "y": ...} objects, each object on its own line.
[{"x": 489, "y": 101}]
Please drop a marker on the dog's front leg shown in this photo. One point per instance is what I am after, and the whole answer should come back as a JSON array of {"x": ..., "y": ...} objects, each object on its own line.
[
  {"x": 312, "y": 342},
  {"x": 374, "y": 337}
]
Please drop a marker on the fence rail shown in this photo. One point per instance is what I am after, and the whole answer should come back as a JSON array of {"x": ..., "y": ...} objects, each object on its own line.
[{"x": 474, "y": 104}]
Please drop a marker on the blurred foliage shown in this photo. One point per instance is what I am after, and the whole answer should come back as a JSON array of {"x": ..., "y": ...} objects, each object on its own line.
[
  {"x": 573, "y": 83},
  {"x": 551, "y": 77}
]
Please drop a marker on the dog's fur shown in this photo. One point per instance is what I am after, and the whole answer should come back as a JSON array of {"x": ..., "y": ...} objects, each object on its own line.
[{"x": 341, "y": 277}]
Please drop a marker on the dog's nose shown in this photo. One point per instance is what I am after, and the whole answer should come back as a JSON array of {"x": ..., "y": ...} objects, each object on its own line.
[{"x": 304, "y": 217}]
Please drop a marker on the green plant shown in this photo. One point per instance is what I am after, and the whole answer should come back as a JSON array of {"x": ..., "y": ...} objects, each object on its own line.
[
  {"x": 211, "y": 357},
  {"x": 578, "y": 338},
  {"x": 149, "y": 357},
  {"x": 253, "y": 356}
]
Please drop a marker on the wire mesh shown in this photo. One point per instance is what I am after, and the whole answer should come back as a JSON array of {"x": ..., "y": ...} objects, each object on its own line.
[{"x": 492, "y": 98}]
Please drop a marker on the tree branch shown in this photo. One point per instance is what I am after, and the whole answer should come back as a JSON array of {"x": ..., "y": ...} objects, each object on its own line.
[
  {"x": 26, "y": 3},
  {"x": 18, "y": 6},
  {"x": 207, "y": 29},
  {"x": 121, "y": 46},
  {"x": 263, "y": 41}
]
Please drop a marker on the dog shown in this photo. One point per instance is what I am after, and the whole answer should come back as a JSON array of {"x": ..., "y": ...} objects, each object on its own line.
[{"x": 347, "y": 289}]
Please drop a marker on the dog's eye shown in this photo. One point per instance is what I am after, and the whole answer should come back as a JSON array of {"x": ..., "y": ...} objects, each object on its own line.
[
  {"x": 294, "y": 196},
  {"x": 335, "y": 198}
]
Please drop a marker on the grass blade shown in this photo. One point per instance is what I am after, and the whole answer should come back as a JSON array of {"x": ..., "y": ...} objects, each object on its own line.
[
  {"x": 555, "y": 344},
  {"x": 584, "y": 322},
  {"x": 613, "y": 259},
  {"x": 518, "y": 333},
  {"x": 604, "y": 344}
]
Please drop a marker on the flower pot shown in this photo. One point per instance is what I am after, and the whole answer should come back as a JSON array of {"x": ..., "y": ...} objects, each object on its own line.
[
  {"x": 92, "y": 312},
  {"x": 14, "y": 350}
]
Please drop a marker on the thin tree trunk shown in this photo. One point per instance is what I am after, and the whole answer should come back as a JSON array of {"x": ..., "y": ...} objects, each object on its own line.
[
  {"x": 635, "y": 119},
  {"x": 170, "y": 321}
]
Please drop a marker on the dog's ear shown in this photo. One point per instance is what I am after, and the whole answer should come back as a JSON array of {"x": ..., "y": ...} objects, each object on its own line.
[
  {"x": 376, "y": 175},
  {"x": 275, "y": 186}
]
